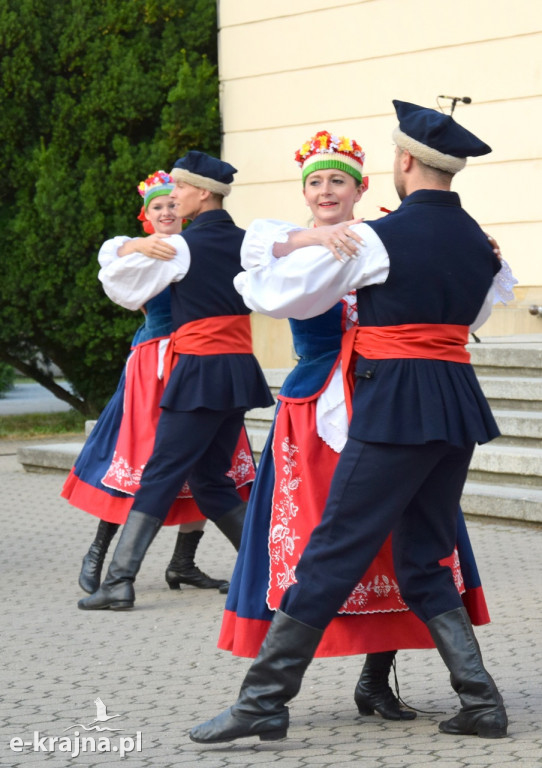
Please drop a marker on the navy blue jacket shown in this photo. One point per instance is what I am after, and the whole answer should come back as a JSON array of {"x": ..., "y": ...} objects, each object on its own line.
[
  {"x": 219, "y": 382},
  {"x": 441, "y": 269}
]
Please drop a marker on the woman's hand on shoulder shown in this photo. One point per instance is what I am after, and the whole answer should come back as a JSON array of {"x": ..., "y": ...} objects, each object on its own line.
[
  {"x": 340, "y": 239},
  {"x": 154, "y": 246}
]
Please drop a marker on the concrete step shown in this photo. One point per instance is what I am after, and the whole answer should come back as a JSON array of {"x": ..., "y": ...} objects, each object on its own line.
[
  {"x": 501, "y": 501},
  {"x": 507, "y": 465},
  {"x": 275, "y": 378},
  {"x": 523, "y": 353},
  {"x": 257, "y": 439},
  {"x": 519, "y": 393},
  {"x": 263, "y": 416},
  {"x": 499, "y": 370},
  {"x": 54, "y": 457},
  {"x": 504, "y": 480},
  {"x": 519, "y": 427},
  {"x": 60, "y": 457}
]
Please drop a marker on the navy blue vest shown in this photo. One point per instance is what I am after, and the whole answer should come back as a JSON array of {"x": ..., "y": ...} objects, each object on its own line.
[
  {"x": 219, "y": 382},
  {"x": 158, "y": 319},
  {"x": 441, "y": 268},
  {"x": 317, "y": 342}
]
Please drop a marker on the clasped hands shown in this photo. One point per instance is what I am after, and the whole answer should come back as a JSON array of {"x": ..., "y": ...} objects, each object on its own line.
[
  {"x": 340, "y": 239},
  {"x": 155, "y": 247}
]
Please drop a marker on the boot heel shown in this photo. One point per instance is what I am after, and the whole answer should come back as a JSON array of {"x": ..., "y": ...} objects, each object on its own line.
[
  {"x": 493, "y": 730},
  {"x": 364, "y": 709},
  {"x": 492, "y": 733},
  {"x": 182, "y": 568},
  {"x": 274, "y": 735},
  {"x": 121, "y": 605}
]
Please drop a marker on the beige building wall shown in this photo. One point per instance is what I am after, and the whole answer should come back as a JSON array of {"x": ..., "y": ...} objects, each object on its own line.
[{"x": 288, "y": 69}]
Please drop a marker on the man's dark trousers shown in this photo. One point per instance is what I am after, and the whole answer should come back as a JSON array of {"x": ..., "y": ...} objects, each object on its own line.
[
  {"x": 195, "y": 446},
  {"x": 378, "y": 488}
]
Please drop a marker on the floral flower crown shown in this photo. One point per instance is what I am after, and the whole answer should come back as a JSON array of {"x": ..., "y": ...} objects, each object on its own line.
[
  {"x": 325, "y": 150},
  {"x": 158, "y": 183}
]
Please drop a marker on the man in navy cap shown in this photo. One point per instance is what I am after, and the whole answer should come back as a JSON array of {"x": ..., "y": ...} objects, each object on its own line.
[
  {"x": 212, "y": 376},
  {"x": 423, "y": 274}
]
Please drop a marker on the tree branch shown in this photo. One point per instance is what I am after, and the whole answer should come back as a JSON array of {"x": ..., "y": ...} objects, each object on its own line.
[{"x": 32, "y": 371}]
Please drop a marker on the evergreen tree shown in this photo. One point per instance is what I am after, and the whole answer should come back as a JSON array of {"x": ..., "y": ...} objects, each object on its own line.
[{"x": 93, "y": 97}]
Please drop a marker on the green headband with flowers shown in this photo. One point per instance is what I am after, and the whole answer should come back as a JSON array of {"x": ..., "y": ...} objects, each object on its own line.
[
  {"x": 158, "y": 183},
  {"x": 325, "y": 150}
]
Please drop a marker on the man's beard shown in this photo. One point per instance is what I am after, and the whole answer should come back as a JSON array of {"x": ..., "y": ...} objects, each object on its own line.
[{"x": 401, "y": 191}]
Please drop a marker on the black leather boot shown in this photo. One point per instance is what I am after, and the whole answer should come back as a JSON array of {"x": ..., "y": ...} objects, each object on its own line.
[
  {"x": 182, "y": 568},
  {"x": 273, "y": 679},
  {"x": 373, "y": 691},
  {"x": 231, "y": 524},
  {"x": 91, "y": 570},
  {"x": 482, "y": 709},
  {"x": 117, "y": 589}
]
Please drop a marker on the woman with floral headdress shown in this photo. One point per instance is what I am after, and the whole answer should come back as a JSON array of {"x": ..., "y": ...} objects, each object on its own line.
[
  {"x": 299, "y": 459},
  {"x": 107, "y": 472}
]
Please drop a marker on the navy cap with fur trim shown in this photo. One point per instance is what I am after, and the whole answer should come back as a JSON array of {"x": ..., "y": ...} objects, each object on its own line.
[
  {"x": 435, "y": 138},
  {"x": 202, "y": 170}
]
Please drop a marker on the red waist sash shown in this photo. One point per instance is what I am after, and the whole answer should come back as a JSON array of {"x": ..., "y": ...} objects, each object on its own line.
[
  {"x": 429, "y": 341},
  {"x": 422, "y": 340},
  {"x": 222, "y": 335}
]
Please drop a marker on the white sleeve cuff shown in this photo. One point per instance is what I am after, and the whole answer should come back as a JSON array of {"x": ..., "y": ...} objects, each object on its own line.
[
  {"x": 134, "y": 279},
  {"x": 503, "y": 284},
  {"x": 109, "y": 250},
  {"x": 260, "y": 237}
]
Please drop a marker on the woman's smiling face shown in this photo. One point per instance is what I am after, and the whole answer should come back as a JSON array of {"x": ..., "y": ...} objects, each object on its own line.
[
  {"x": 331, "y": 195},
  {"x": 161, "y": 212}
]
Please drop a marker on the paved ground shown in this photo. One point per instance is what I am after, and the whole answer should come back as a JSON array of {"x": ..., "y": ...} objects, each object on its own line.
[{"x": 159, "y": 669}]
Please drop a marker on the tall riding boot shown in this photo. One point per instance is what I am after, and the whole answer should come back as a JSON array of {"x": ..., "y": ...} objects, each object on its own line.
[
  {"x": 231, "y": 524},
  {"x": 482, "y": 709},
  {"x": 373, "y": 691},
  {"x": 273, "y": 679},
  {"x": 117, "y": 589},
  {"x": 182, "y": 568},
  {"x": 91, "y": 570}
]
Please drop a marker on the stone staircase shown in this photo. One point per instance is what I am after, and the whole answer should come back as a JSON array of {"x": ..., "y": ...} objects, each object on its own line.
[{"x": 505, "y": 479}]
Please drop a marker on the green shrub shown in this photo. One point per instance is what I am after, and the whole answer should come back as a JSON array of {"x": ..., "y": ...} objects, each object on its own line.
[
  {"x": 7, "y": 377},
  {"x": 95, "y": 96}
]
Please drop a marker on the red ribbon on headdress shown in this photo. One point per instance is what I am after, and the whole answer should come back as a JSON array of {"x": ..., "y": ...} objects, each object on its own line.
[{"x": 147, "y": 226}]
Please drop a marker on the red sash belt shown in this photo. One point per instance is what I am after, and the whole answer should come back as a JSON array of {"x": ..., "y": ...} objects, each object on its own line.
[
  {"x": 222, "y": 335},
  {"x": 428, "y": 341},
  {"x": 422, "y": 340}
]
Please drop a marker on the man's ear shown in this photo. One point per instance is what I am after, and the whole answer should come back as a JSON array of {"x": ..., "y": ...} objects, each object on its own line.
[{"x": 406, "y": 160}]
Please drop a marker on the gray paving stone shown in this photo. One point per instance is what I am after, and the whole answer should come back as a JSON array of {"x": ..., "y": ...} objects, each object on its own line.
[{"x": 159, "y": 668}]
